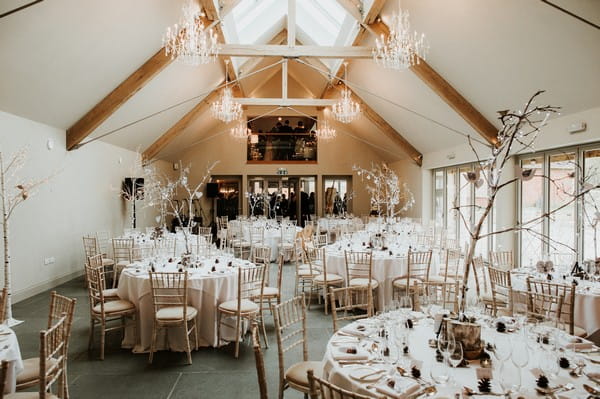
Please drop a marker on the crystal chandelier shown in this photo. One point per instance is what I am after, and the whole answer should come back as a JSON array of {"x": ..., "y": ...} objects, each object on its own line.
[
  {"x": 189, "y": 41},
  {"x": 402, "y": 48},
  {"x": 240, "y": 132},
  {"x": 226, "y": 108},
  {"x": 346, "y": 110},
  {"x": 325, "y": 132}
]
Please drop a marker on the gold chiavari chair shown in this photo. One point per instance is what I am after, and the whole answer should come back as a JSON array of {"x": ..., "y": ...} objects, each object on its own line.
[
  {"x": 171, "y": 309},
  {"x": 452, "y": 267},
  {"x": 96, "y": 263},
  {"x": 262, "y": 256},
  {"x": 260, "y": 362},
  {"x": 305, "y": 271},
  {"x": 350, "y": 303},
  {"x": 359, "y": 269},
  {"x": 418, "y": 268},
  {"x": 102, "y": 311},
  {"x": 240, "y": 244},
  {"x": 141, "y": 252},
  {"x": 322, "y": 389},
  {"x": 286, "y": 242},
  {"x": 60, "y": 306},
  {"x": 324, "y": 280},
  {"x": 165, "y": 246},
  {"x": 480, "y": 275},
  {"x": 91, "y": 248},
  {"x": 271, "y": 293},
  {"x": 566, "y": 312},
  {"x": 251, "y": 282},
  {"x": 103, "y": 240},
  {"x": 502, "y": 259},
  {"x": 290, "y": 328},
  {"x": 122, "y": 256},
  {"x": 502, "y": 292},
  {"x": 204, "y": 230},
  {"x": 442, "y": 293}
]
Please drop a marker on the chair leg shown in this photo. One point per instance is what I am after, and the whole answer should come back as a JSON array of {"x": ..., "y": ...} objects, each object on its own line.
[
  {"x": 281, "y": 388},
  {"x": 102, "y": 338},
  {"x": 195, "y": 335},
  {"x": 91, "y": 339},
  {"x": 219, "y": 328},
  {"x": 187, "y": 342},
  {"x": 238, "y": 321},
  {"x": 325, "y": 299},
  {"x": 262, "y": 322},
  {"x": 152, "y": 343}
]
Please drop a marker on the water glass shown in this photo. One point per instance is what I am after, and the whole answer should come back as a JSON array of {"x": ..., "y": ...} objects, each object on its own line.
[
  {"x": 405, "y": 305},
  {"x": 510, "y": 378}
]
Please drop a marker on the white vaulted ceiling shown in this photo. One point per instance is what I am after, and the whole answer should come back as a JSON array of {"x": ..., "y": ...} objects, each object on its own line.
[{"x": 61, "y": 57}]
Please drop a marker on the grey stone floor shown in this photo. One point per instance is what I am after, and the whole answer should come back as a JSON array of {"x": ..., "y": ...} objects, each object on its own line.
[{"x": 215, "y": 373}]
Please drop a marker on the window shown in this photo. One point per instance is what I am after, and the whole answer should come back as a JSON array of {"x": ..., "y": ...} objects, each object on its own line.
[
  {"x": 568, "y": 233},
  {"x": 451, "y": 189}
]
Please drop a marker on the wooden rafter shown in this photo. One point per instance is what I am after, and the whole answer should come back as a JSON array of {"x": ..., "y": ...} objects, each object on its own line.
[
  {"x": 109, "y": 104},
  {"x": 155, "y": 148},
  {"x": 380, "y": 123},
  {"x": 447, "y": 92},
  {"x": 251, "y": 63},
  {"x": 273, "y": 50},
  {"x": 352, "y": 8},
  {"x": 374, "y": 11}
]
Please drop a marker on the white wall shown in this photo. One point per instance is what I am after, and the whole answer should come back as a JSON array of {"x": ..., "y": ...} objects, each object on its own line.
[{"x": 81, "y": 198}]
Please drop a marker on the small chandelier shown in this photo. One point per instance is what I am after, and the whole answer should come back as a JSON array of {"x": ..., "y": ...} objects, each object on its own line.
[
  {"x": 402, "y": 48},
  {"x": 189, "y": 41},
  {"x": 226, "y": 108},
  {"x": 346, "y": 110},
  {"x": 325, "y": 132},
  {"x": 240, "y": 132}
]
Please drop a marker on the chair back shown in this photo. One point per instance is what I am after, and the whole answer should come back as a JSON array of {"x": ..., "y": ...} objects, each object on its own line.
[
  {"x": 261, "y": 255},
  {"x": 61, "y": 306},
  {"x": 96, "y": 286},
  {"x": 169, "y": 289},
  {"x": 346, "y": 301},
  {"x": 501, "y": 286},
  {"x": 321, "y": 239},
  {"x": 204, "y": 230},
  {"x": 290, "y": 328},
  {"x": 315, "y": 258},
  {"x": 122, "y": 249},
  {"x": 280, "y": 262},
  {"x": 563, "y": 311},
  {"x": 256, "y": 234},
  {"x": 359, "y": 265},
  {"x": 320, "y": 388},
  {"x": 419, "y": 264},
  {"x": 480, "y": 274},
  {"x": 442, "y": 293},
  {"x": 251, "y": 281},
  {"x": 502, "y": 259},
  {"x": 566, "y": 259},
  {"x": 90, "y": 246},
  {"x": 452, "y": 264},
  {"x": 52, "y": 358},
  {"x": 260, "y": 362},
  {"x": 141, "y": 252},
  {"x": 103, "y": 239},
  {"x": 288, "y": 233},
  {"x": 165, "y": 246},
  {"x": 451, "y": 243}
]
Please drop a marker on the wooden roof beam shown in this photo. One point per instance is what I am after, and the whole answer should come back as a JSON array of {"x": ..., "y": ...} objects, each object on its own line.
[
  {"x": 447, "y": 92},
  {"x": 174, "y": 131},
  {"x": 379, "y": 122}
]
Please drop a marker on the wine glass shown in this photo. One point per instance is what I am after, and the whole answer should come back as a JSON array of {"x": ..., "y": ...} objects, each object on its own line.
[
  {"x": 549, "y": 363},
  {"x": 439, "y": 373},
  {"x": 405, "y": 305},
  {"x": 510, "y": 378},
  {"x": 455, "y": 357},
  {"x": 503, "y": 348}
]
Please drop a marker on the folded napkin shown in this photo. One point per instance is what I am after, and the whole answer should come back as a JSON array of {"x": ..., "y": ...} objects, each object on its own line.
[
  {"x": 358, "y": 330},
  {"x": 349, "y": 352},
  {"x": 579, "y": 344},
  {"x": 398, "y": 388}
]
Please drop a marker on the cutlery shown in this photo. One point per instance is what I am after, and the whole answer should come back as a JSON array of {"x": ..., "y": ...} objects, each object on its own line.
[
  {"x": 591, "y": 390},
  {"x": 372, "y": 374},
  {"x": 471, "y": 392},
  {"x": 593, "y": 379}
]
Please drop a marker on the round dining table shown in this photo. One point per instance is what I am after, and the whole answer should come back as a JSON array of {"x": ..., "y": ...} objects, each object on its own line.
[
  {"x": 210, "y": 284},
  {"x": 11, "y": 353},
  {"x": 351, "y": 361}
]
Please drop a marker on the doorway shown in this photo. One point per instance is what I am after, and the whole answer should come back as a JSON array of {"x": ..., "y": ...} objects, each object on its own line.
[{"x": 288, "y": 196}]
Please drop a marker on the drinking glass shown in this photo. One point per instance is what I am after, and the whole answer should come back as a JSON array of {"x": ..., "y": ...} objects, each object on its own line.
[
  {"x": 455, "y": 358},
  {"x": 510, "y": 378},
  {"x": 503, "y": 348},
  {"x": 405, "y": 305},
  {"x": 439, "y": 373},
  {"x": 520, "y": 353},
  {"x": 549, "y": 363}
]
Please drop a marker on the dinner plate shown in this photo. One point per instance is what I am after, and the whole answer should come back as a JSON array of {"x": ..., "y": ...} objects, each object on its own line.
[{"x": 359, "y": 374}]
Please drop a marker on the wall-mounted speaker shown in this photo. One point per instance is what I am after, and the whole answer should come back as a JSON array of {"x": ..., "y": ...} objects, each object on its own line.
[{"x": 133, "y": 186}]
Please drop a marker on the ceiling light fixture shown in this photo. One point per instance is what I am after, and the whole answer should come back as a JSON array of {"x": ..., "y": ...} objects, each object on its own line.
[
  {"x": 346, "y": 110},
  {"x": 240, "y": 132},
  {"x": 402, "y": 48},
  {"x": 325, "y": 132},
  {"x": 226, "y": 108},
  {"x": 190, "y": 42}
]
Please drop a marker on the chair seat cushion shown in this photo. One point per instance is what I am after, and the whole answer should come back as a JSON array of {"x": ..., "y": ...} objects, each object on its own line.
[
  {"x": 29, "y": 395},
  {"x": 246, "y": 305},
  {"x": 363, "y": 282},
  {"x": 107, "y": 262},
  {"x": 175, "y": 313},
  {"x": 486, "y": 297},
  {"x": 441, "y": 279},
  {"x": 270, "y": 291},
  {"x": 401, "y": 282},
  {"x": 331, "y": 278},
  {"x": 307, "y": 272},
  {"x": 296, "y": 373},
  {"x": 117, "y": 306},
  {"x": 110, "y": 293},
  {"x": 123, "y": 263},
  {"x": 577, "y": 331},
  {"x": 31, "y": 370},
  {"x": 286, "y": 245}
]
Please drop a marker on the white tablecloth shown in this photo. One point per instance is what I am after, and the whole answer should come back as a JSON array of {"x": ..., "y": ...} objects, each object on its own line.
[
  {"x": 420, "y": 350},
  {"x": 10, "y": 352},
  {"x": 206, "y": 290},
  {"x": 587, "y": 302}
]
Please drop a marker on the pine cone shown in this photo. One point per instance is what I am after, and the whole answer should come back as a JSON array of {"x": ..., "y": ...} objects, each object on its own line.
[
  {"x": 542, "y": 381},
  {"x": 438, "y": 356},
  {"x": 415, "y": 372},
  {"x": 484, "y": 385},
  {"x": 500, "y": 327},
  {"x": 409, "y": 323},
  {"x": 564, "y": 363}
]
